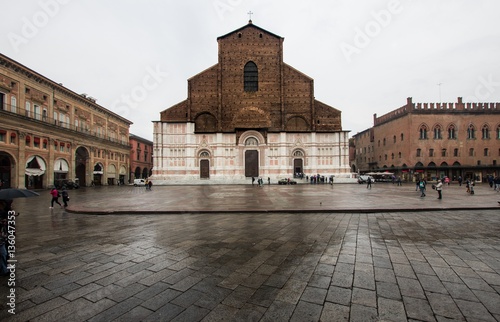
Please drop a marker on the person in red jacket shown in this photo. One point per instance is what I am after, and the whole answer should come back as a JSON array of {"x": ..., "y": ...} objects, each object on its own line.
[{"x": 55, "y": 198}]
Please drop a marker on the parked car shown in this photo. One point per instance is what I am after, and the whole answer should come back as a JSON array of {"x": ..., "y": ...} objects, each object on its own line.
[
  {"x": 287, "y": 181},
  {"x": 139, "y": 182},
  {"x": 72, "y": 184},
  {"x": 364, "y": 179}
]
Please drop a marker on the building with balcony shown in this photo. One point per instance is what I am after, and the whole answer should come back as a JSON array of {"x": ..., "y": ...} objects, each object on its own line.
[
  {"x": 50, "y": 134},
  {"x": 432, "y": 141},
  {"x": 141, "y": 158}
]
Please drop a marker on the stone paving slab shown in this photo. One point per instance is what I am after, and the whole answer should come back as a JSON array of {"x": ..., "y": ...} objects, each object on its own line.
[{"x": 412, "y": 265}]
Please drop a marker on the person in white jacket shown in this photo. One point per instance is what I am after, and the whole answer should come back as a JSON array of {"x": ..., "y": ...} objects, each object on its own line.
[{"x": 439, "y": 188}]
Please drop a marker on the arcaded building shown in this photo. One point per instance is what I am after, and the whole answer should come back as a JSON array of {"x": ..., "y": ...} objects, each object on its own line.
[
  {"x": 141, "y": 157},
  {"x": 50, "y": 134},
  {"x": 249, "y": 115},
  {"x": 432, "y": 141}
]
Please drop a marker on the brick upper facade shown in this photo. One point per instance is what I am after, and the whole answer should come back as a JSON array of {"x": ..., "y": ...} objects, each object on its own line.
[{"x": 284, "y": 101}]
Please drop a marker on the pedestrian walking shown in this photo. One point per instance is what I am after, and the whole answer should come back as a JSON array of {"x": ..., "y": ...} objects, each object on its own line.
[
  {"x": 55, "y": 198},
  {"x": 422, "y": 188},
  {"x": 65, "y": 197},
  {"x": 439, "y": 188},
  {"x": 150, "y": 184},
  {"x": 369, "y": 183}
]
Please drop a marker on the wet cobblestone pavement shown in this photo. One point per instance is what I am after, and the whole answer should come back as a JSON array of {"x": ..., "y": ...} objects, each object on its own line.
[{"x": 291, "y": 253}]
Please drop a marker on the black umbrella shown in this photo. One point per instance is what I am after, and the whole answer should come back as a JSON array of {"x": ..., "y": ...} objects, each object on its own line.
[{"x": 10, "y": 193}]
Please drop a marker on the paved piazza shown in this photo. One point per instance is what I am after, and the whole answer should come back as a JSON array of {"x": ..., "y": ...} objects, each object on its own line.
[{"x": 272, "y": 253}]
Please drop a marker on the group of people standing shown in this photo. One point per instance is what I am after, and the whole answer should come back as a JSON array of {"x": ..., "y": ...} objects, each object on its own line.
[{"x": 421, "y": 185}]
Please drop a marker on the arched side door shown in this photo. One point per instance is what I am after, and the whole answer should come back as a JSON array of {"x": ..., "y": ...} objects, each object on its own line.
[{"x": 204, "y": 169}]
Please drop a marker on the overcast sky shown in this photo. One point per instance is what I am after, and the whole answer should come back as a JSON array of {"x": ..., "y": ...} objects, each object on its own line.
[{"x": 365, "y": 56}]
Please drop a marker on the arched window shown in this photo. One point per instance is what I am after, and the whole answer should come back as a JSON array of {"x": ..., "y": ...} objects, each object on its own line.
[
  {"x": 437, "y": 132},
  {"x": 251, "y": 77},
  {"x": 451, "y": 133},
  {"x": 471, "y": 152},
  {"x": 423, "y": 132},
  {"x": 486, "y": 132},
  {"x": 419, "y": 151},
  {"x": 204, "y": 155},
  {"x": 471, "y": 132},
  {"x": 402, "y": 137},
  {"x": 486, "y": 152},
  {"x": 298, "y": 153}
]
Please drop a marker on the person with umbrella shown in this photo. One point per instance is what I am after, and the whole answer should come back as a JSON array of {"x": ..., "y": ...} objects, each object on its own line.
[
  {"x": 5, "y": 206},
  {"x": 6, "y": 196}
]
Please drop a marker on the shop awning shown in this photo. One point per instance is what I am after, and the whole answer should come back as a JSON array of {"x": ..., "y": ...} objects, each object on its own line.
[
  {"x": 61, "y": 166},
  {"x": 35, "y": 171}
]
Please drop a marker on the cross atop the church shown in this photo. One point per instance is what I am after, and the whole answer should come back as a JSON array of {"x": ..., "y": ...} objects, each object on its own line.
[{"x": 250, "y": 13}]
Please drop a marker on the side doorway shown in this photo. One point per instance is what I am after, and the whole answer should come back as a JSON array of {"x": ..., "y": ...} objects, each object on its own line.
[{"x": 204, "y": 169}]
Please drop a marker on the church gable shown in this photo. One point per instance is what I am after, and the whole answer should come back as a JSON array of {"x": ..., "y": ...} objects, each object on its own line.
[
  {"x": 252, "y": 88},
  {"x": 203, "y": 93},
  {"x": 328, "y": 119},
  {"x": 239, "y": 32},
  {"x": 176, "y": 113}
]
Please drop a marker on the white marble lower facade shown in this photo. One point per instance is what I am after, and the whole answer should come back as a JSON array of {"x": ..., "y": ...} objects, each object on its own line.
[{"x": 181, "y": 156}]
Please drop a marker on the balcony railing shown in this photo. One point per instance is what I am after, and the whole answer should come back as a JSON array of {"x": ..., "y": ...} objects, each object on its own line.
[{"x": 61, "y": 124}]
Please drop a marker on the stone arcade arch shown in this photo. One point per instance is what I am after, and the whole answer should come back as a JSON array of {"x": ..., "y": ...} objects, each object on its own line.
[
  {"x": 98, "y": 173},
  {"x": 81, "y": 164},
  {"x": 7, "y": 163},
  {"x": 35, "y": 172}
]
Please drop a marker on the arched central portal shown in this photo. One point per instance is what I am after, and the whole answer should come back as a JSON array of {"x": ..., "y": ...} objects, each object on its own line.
[
  {"x": 251, "y": 163},
  {"x": 298, "y": 167}
]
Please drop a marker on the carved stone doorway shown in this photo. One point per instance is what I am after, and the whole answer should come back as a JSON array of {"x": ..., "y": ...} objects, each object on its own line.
[
  {"x": 204, "y": 169},
  {"x": 298, "y": 166},
  {"x": 251, "y": 163}
]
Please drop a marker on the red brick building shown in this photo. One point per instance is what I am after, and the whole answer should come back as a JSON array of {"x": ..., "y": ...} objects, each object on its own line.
[
  {"x": 141, "y": 157},
  {"x": 432, "y": 141}
]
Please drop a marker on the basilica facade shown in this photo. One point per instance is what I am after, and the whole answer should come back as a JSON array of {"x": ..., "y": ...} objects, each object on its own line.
[{"x": 249, "y": 115}]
